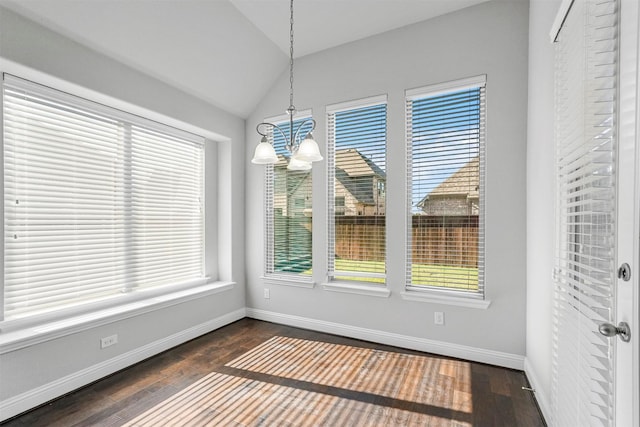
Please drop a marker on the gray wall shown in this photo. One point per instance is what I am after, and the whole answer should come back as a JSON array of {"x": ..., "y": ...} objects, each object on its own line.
[
  {"x": 487, "y": 39},
  {"x": 540, "y": 190},
  {"x": 29, "y": 371},
  {"x": 492, "y": 39}
]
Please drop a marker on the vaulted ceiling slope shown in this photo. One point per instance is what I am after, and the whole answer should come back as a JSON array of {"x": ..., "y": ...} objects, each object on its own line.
[
  {"x": 226, "y": 52},
  {"x": 322, "y": 24},
  {"x": 205, "y": 48}
]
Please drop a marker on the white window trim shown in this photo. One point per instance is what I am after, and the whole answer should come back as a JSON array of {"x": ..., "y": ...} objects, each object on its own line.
[
  {"x": 14, "y": 337},
  {"x": 357, "y": 103},
  {"x": 22, "y": 333},
  {"x": 432, "y": 294},
  {"x": 195, "y": 275},
  {"x": 278, "y": 278},
  {"x": 294, "y": 280},
  {"x": 337, "y": 285},
  {"x": 446, "y": 298},
  {"x": 357, "y": 288},
  {"x": 10, "y": 67},
  {"x": 445, "y": 87}
]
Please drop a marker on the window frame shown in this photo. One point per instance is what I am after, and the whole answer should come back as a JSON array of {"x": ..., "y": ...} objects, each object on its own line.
[
  {"x": 25, "y": 331},
  {"x": 332, "y": 283},
  {"x": 271, "y": 277},
  {"x": 441, "y": 294}
]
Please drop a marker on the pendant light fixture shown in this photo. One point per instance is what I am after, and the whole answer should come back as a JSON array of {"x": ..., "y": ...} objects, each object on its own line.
[{"x": 302, "y": 153}]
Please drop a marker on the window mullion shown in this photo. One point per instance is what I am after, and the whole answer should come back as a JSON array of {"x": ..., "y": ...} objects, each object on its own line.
[{"x": 130, "y": 280}]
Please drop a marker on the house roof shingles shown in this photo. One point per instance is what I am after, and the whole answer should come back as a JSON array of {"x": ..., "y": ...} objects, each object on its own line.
[
  {"x": 355, "y": 172},
  {"x": 464, "y": 182}
]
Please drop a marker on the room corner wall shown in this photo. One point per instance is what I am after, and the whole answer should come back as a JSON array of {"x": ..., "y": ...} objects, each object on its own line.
[
  {"x": 540, "y": 202},
  {"x": 490, "y": 38},
  {"x": 33, "y": 374}
]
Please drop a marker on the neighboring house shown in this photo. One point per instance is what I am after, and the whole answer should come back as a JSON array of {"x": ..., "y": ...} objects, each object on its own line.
[
  {"x": 360, "y": 185},
  {"x": 291, "y": 196},
  {"x": 292, "y": 219},
  {"x": 457, "y": 195}
]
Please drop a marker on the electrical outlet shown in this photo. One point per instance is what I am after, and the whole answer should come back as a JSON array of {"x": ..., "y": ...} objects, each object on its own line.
[
  {"x": 109, "y": 341},
  {"x": 266, "y": 293},
  {"x": 438, "y": 318}
]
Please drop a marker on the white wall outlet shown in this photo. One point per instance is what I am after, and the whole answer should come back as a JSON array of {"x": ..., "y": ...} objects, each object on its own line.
[
  {"x": 267, "y": 295},
  {"x": 438, "y": 318},
  {"x": 109, "y": 341}
]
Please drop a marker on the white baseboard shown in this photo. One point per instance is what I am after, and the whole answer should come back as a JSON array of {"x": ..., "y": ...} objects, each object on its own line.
[
  {"x": 497, "y": 358},
  {"x": 25, "y": 401},
  {"x": 32, "y": 398},
  {"x": 540, "y": 393}
]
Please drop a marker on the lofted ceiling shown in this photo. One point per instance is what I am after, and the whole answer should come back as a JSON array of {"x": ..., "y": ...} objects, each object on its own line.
[
  {"x": 322, "y": 24},
  {"x": 226, "y": 52}
]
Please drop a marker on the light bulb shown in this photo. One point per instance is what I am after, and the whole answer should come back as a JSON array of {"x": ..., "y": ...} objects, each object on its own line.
[{"x": 265, "y": 153}]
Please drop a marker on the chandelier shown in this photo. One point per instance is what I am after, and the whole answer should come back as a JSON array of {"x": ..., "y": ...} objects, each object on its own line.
[{"x": 304, "y": 152}]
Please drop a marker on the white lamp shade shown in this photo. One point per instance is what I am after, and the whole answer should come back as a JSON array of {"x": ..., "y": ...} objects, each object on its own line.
[
  {"x": 308, "y": 150},
  {"x": 264, "y": 154},
  {"x": 296, "y": 164}
]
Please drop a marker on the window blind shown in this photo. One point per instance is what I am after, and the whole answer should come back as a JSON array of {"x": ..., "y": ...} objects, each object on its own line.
[
  {"x": 98, "y": 202},
  {"x": 445, "y": 127},
  {"x": 586, "y": 140},
  {"x": 356, "y": 164},
  {"x": 288, "y": 202}
]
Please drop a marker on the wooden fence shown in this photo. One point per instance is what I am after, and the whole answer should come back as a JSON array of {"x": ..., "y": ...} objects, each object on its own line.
[
  {"x": 360, "y": 238},
  {"x": 441, "y": 240}
]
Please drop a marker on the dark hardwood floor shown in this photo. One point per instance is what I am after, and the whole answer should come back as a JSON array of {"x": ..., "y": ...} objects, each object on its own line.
[{"x": 259, "y": 373}]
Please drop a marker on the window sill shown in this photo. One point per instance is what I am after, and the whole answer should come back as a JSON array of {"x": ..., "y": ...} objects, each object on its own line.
[
  {"x": 35, "y": 334},
  {"x": 350, "y": 288},
  {"x": 295, "y": 281},
  {"x": 446, "y": 300}
]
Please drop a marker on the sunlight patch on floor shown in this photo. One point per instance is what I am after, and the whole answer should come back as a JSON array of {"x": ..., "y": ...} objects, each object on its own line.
[
  {"x": 226, "y": 400},
  {"x": 297, "y": 382},
  {"x": 426, "y": 380}
]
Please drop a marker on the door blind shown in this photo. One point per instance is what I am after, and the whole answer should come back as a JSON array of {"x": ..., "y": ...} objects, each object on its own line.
[
  {"x": 288, "y": 203},
  {"x": 445, "y": 187},
  {"x": 585, "y": 128},
  {"x": 98, "y": 202},
  {"x": 356, "y": 151}
]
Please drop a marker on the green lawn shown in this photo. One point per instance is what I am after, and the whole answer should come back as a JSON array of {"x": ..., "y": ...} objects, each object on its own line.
[
  {"x": 423, "y": 274},
  {"x": 435, "y": 275}
]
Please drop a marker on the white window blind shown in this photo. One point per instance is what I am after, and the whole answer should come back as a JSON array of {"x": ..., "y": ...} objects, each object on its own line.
[
  {"x": 288, "y": 204},
  {"x": 586, "y": 140},
  {"x": 356, "y": 165},
  {"x": 97, "y": 202},
  {"x": 445, "y": 126}
]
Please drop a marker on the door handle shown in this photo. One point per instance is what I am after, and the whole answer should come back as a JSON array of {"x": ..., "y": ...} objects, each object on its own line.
[
  {"x": 624, "y": 272},
  {"x": 609, "y": 330}
]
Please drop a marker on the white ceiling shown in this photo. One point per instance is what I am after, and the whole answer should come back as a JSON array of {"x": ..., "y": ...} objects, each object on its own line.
[
  {"x": 322, "y": 24},
  {"x": 217, "y": 49}
]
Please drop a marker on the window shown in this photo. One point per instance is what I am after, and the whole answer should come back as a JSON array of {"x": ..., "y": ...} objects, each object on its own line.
[
  {"x": 445, "y": 186},
  {"x": 98, "y": 203},
  {"x": 589, "y": 135},
  {"x": 356, "y": 151},
  {"x": 288, "y": 208}
]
